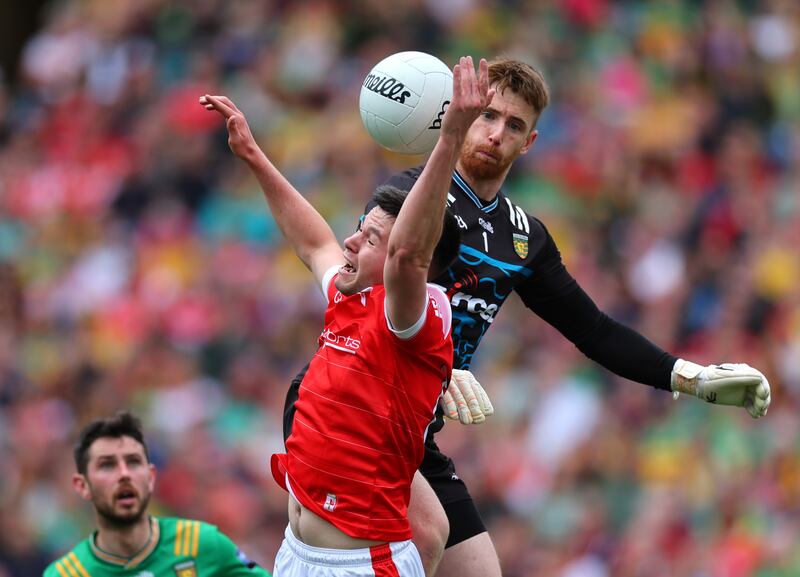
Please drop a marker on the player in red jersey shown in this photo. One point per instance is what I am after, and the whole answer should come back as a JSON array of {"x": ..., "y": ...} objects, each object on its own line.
[{"x": 384, "y": 359}]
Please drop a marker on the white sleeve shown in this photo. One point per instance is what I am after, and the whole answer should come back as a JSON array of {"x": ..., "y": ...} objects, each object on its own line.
[
  {"x": 326, "y": 279},
  {"x": 441, "y": 305}
]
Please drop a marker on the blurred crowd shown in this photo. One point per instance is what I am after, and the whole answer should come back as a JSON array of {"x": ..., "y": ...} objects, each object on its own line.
[{"x": 140, "y": 268}]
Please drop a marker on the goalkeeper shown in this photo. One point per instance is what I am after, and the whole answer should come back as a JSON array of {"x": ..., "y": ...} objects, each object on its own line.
[{"x": 506, "y": 250}]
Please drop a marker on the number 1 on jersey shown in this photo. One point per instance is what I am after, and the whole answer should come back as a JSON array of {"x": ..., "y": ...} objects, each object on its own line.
[{"x": 485, "y": 242}]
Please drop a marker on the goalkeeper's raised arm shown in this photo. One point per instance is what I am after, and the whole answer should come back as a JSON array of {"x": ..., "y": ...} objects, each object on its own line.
[{"x": 419, "y": 224}]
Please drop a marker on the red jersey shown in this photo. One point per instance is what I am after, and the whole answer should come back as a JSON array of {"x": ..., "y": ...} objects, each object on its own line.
[{"x": 363, "y": 411}]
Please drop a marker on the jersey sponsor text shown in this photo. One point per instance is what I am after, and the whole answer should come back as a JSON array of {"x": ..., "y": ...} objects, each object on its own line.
[
  {"x": 340, "y": 342},
  {"x": 474, "y": 305}
]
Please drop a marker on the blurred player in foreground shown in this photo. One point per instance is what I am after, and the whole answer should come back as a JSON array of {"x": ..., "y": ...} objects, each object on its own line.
[
  {"x": 384, "y": 358},
  {"x": 116, "y": 476},
  {"x": 504, "y": 249}
]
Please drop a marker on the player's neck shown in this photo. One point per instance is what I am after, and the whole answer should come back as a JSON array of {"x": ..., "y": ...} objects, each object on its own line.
[
  {"x": 485, "y": 188},
  {"x": 124, "y": 542}
]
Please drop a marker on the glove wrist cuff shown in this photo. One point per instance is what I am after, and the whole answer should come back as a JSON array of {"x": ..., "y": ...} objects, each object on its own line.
[{"x": 685, "y": 377}]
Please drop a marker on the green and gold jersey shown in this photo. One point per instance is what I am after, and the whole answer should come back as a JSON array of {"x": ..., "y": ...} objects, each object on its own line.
[{"x": 177, "y": 548}]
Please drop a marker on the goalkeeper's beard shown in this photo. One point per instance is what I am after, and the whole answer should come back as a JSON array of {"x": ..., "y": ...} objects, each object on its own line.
[{"x": 481, "y": 168}]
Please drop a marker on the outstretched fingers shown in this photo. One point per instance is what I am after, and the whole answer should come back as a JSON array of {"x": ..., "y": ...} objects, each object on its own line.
[
  {"x": 455, "y": 406},
  {"x": 457, "y": 82},
  {"x": 484, "y": 91},
  {"x": 240, "y": 139},
  {"x": 468, "y": 77},
  {"x": 221, "y": 104},
  {"x": 471, "y": 89},
  {"x": 469, "y": 81}
]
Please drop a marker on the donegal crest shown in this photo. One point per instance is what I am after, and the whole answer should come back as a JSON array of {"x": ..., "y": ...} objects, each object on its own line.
[
  {"x": 521, "y": 245},
  {"x": 185, "y": 569}
]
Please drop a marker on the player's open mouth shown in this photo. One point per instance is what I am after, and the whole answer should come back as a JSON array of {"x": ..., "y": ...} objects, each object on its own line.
[
  {"x": 126, "y": 497},
  {"x": 348, "y": 268}
]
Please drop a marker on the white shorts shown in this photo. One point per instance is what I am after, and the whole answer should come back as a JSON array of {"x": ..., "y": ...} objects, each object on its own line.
[{"x": 296, "y": 559}]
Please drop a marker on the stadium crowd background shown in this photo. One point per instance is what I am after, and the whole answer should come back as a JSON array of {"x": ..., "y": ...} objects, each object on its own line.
[{"x": 139, "y": 266}]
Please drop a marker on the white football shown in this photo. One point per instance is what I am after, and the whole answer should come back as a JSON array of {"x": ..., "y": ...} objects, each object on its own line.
[{"x": 403, "y": 100}]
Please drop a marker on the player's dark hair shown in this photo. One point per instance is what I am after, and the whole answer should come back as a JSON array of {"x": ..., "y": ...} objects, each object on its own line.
[
  {"x": 123, "y": 424},
  {"x": 522, "y": 79},
  {"x": 390, "y": 199}
]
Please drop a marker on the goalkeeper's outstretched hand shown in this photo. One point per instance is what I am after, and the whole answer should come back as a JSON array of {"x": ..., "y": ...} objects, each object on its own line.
[
  {"x": 739, "y": 385},
  {"x": 465, "y": 400}
]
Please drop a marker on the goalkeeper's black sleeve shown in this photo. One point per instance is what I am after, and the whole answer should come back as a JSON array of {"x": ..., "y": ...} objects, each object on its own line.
[{"x": 554, "y": 295}]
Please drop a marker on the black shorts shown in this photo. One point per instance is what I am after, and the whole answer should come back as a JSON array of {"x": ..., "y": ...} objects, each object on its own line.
[
  {"x": 437, "y": 468},
  {"x": 440, "y": 471}
]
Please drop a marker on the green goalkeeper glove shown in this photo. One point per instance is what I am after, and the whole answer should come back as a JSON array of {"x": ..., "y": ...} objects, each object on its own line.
[
  {"x": 465, "y": 400},
  {"x": 733, "y": 384}
]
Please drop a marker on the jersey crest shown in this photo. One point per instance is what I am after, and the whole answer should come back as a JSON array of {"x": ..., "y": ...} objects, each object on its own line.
[
  {"x": 186, "y": 569},
  {"x": 330, "y": 502},
  {"x": 520, "y": 245}
]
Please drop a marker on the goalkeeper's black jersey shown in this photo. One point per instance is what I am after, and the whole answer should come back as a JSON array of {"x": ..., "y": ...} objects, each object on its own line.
[{"x": 503, "y": 249}]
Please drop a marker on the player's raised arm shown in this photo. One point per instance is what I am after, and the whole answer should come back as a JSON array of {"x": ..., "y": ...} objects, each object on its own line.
[
  {"x": 419, "y": 224},
  {"x": 305, "y": 229}
]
